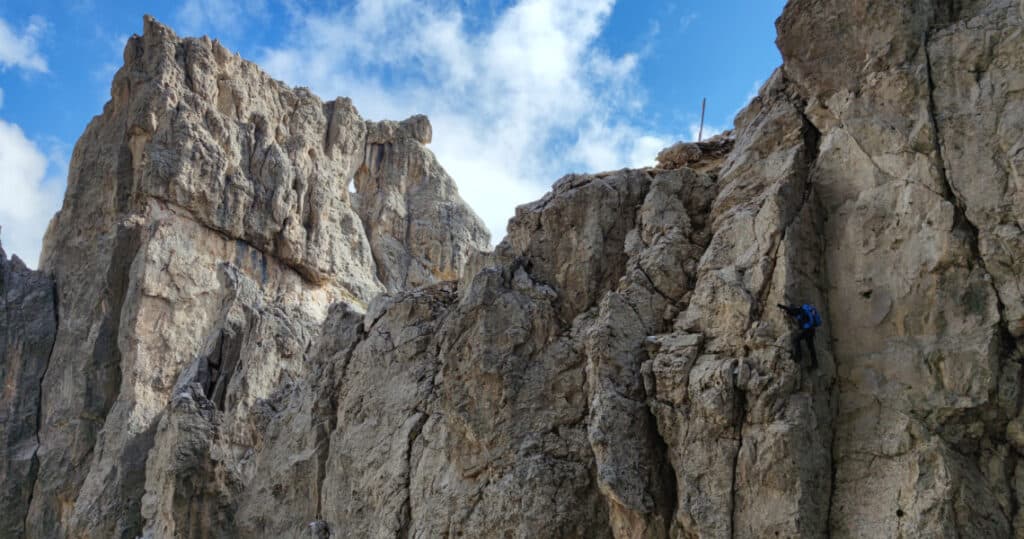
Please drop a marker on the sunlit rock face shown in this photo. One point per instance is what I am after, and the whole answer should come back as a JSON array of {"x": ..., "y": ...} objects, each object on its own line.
[
  {"x": 207, "y": 229},
  {"x": 921, "y": 115},
  {"x": 239, "y": 346}
]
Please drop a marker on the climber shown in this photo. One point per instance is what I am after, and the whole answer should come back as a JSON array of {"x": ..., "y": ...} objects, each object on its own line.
[{"x": 806, "y": 318}]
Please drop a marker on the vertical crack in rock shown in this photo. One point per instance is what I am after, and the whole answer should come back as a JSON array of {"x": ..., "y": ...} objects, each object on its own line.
[
  {"x": 811, "y": 144},
  {"x": 612, "y": 369},
  {"x": 1008, "y": 344},
  {"x": 28, "y": 320},
  {"x": 108, "y": 344},
  {"x": 323, "y": 436},
  {"x": 835, "y": 389},
  {"x": 39, "y": 394},
  {"x": 106, "y": 354},
  {"x": 669, "y": 489},
  {"x": 740, "y": 422},
  {"x": 225, "y": 359},
  {"x": 951, "y": 193},
  {"x": 406, "y": 515},
  {"x": 956, "y": 199}
]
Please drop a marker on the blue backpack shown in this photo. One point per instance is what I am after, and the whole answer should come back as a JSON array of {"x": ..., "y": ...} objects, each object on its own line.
[{"x": 813, "y": 318}]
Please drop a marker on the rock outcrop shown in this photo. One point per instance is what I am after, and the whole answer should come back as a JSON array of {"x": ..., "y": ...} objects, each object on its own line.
[
  {"x": 207, "y": 228},
  {"x": 243, "y": 348},
  {"x": 701, "y": 156}
]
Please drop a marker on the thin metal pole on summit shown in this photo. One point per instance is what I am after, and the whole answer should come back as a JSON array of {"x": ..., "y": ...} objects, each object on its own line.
[{"x": 700, "y": 132}]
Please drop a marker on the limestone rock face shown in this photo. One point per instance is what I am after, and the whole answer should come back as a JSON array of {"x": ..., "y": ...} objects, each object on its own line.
[
  {"x": 27, "y": 326},
  {"x": 418, "y": 228},
  {"x": 920, "y": 115},
  {"x": 397, "y": 433},
  {"x": 245, "y": 348},
  {"x": 697, "y": 155},
  {"x": 207, "y": 228}
]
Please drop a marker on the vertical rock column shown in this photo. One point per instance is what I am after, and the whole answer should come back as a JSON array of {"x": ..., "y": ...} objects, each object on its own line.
[
  {"x": 28, "y": 323},
  {"x": 748, "y": 430}
]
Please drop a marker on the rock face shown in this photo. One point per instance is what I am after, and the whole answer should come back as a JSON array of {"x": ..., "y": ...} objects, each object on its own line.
[
  {"x": 28, "y": 323},
  {"x": 247, "y": 349},
  {"x": 703, "y": 155},
  {"x": 206, "y": 230},
  {"x": 921, "y": 115}
]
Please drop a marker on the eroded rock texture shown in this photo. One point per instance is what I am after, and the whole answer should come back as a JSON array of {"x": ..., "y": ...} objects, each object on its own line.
[
  {"x": 27, "y": 326},
  {"x": 206, "y": 230},
  {"x": 245, "y": 348},
  {"x": 507, "y": 408},
  {"x": 920, "y": 248}
]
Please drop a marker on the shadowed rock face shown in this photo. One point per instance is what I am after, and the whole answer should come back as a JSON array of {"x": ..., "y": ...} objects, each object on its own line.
[
  {"x": 245, "y": 348},
  {"x": 28, "y": 323}
]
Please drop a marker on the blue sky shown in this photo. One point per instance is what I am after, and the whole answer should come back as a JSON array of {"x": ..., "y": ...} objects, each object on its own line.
[{"x": 519, "y": 92}]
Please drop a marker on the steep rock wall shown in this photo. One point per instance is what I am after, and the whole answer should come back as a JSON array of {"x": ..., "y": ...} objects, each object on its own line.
[
  {"x": 535, "y": 434},
  {"x": 28, "y": 323},
  {"x": 612, "y": 370},
  {"x": 916, "y": 175},
  {"x": 206, "y": 230},
  {"x": 247, "y": 349}
]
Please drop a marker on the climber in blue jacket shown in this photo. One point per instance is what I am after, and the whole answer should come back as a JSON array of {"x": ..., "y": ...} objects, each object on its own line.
[{"x": 807, "y": 319}]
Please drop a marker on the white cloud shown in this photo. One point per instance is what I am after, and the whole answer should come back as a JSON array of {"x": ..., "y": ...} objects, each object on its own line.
[
  {"x": 30, "y": 196},
  {"x": 601, "y": 146},
  {"x": 104, "y": 72},
  {"x": 686, "y": 20},
  {"x": 694, "y": 131},
  {"x": 645, "y": 149},
  {"x": 219, "y": 17},
  {"x": 22, "y": 50},
  {"x": 752, "y": 93},
  {"x": 514, "y": 106}
]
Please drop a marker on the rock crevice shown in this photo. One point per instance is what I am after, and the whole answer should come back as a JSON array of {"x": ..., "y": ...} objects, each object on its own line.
[{"x": 27, "y": 299}]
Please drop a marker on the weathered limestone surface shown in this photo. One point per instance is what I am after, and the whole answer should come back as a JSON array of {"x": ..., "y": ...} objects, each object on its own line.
[
  {"x": 920, "y": 109},
  {"x": 703, "y": 155},
  {"x": 206, "y": 230},
  {"x": 27, "y": 326},
  {"x": 398, "y": 434},
  {"x": 419, "y": 229},
  {"x": 247, "y": 349}
]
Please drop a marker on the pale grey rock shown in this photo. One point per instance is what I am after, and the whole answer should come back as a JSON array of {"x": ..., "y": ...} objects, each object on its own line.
[
  {"x": 206, "y": 230},
  {"x": 705, "y": 155},
  {"x": 289, "y": 468},
  {"x": 189, "y": 489},
  {"x": 247, "y": 349},
  {"x": 486, "y": 411},
  {"x": 419, "y": 230},
  {"x": 916, "y": 253},
  {"x": 733, "y": 408}
]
